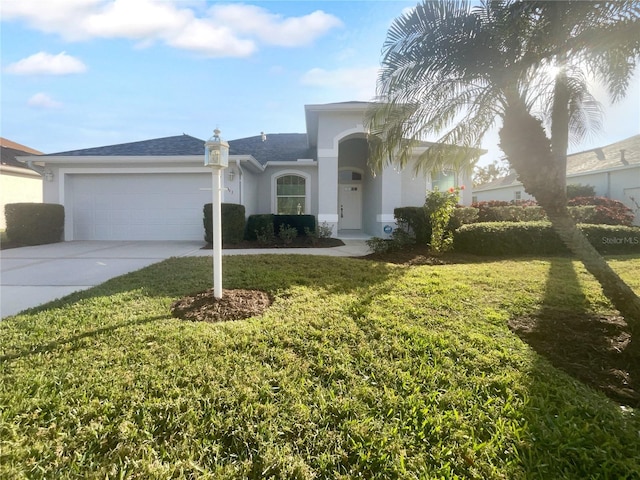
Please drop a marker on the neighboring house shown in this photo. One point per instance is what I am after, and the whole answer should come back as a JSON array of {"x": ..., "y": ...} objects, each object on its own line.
[
  {"x": 18, "y": 183},
  {"x": 156, "y": 189},
  {"x": 613, "y": 170}
]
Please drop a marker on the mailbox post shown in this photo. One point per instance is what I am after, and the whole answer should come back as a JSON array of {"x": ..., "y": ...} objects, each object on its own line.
[{"x": 216, "y": 156}]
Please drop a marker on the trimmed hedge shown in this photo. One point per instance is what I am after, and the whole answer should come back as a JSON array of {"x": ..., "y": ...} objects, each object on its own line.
[
  {"x": 260, "y": 222},
  {"x": 299, "y": 222},
  {"x": 500, "y": 238},
  {"x": 232, "y": 219},
  {"x": 594, "y": 210},
  {"x": 34, "y": 223},
  {"x": 607, "y": 211}
]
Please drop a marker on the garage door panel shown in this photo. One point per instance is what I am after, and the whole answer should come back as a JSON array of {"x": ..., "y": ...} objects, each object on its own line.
[{"x": 138, "y": 206}]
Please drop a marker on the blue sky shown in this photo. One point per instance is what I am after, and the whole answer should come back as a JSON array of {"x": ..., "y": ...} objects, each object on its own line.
[{"x": 86, "y": 73}]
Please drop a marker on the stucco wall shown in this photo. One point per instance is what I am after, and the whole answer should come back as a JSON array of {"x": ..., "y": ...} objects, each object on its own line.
[
  {"x": 332, "y": 124},
  {"x": 16, "y": 187},
  {"x": 246, "y": 187}
]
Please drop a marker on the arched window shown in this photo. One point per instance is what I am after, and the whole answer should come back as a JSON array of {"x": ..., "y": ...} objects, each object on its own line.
[{"x": 291, "y": 195}]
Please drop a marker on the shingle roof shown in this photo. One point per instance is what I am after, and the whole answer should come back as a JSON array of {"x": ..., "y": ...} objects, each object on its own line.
[
  {"x": 176, "y": 145},
  {"x": 605, "y": 158},
  {"x": 5, "y": 142},
  {"x": 597, "y": 159},
  {"x": 10, "y": 150},
  {"x": 278, "y": 147}
]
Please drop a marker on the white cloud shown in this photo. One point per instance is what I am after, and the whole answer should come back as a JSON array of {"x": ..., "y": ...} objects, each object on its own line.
[
  {"x": 224, "y": 30},
  {"x": 274, "y": 29},
  {"x": 43, "y": 63},
  {"x": 42, "y": 100},
  {"x": 63, "y": 17},
  {"x": 356, "y": 83},
  {"x": 213, "y": 41}
]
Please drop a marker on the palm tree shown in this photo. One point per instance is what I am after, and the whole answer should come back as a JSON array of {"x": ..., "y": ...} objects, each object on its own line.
[{"x": 453, "y": 68}]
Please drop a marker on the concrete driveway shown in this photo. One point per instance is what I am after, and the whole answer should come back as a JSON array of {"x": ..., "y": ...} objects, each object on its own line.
[{"x": 31, "y": 276}]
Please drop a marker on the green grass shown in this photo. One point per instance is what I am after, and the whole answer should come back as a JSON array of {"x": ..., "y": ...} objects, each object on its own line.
[{"x": 358, "y": 370}]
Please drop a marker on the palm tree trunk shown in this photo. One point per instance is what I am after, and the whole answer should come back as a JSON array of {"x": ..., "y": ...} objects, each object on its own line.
[
  {"x": 614, "y": 288},
  {"x": 523, "y": 140}
]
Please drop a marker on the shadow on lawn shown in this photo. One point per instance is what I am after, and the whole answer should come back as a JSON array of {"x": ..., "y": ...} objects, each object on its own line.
[
  {"x": 273, "y": 274},
  {"x": 51, "y": 346},
  {"x": 589, "y": 347},
  {"x": 565, "y": 432}
]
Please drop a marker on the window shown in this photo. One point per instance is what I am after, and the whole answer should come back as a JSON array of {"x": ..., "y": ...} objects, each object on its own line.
[
  {"x": 517, "y": 196},
  {"x": 443, "y": 181},
  {"x": 290, "y": 195},
  {"x": 349, "y": 176}
]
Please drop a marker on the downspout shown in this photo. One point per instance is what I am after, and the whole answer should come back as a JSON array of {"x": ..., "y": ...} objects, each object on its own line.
[
  {"x": 240, "y": 180},
  {"x": 35, "y": 168}
]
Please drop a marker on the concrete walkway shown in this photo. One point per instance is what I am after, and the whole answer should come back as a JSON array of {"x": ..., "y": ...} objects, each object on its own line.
[{"x": 31, "y": 276}]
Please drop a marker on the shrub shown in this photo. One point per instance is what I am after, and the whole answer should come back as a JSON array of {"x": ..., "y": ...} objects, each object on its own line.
[
  {"x": 613, "y": 239},
  {"x": 233, "y": 223},
  {"x": 379, "y": 245},
  {"x": 400, "y": 238},
  {"x": 493, "y": 238},
  {"x": 607, "y": 211},
  {"x": 579, "y": 190},
  {"x": 265, "y": 235},
  {"x": 485, "y": 214},
  {"x": 287, "y": 234},
  {"x": 299, "y": 222},
  {"x": 414, "y": 220},
  {"x": 533, "y": 213},
  {"x": 34, "y": 223},
  {"x": 257, "y": 224},
  {"x": 322, "y": 231},
  {"x": 463, "y": 216},
  {"x": 440, "y": 207}
]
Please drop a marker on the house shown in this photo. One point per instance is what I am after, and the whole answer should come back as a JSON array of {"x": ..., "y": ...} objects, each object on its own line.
[
  {"x": 18, "y": 183},
  {"x": 614, "y": 172},
  {"x": 156, "y": 189}
]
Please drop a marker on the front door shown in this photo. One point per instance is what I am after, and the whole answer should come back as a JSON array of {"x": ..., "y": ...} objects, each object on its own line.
[{"x": 350, "y": 207}]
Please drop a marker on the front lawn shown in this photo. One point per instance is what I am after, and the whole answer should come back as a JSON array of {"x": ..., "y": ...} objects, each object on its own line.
[{"x": 359, "y": 369}]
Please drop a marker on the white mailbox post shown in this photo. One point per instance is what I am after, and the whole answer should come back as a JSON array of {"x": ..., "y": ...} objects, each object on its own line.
[{"x": 216, "y": 156}]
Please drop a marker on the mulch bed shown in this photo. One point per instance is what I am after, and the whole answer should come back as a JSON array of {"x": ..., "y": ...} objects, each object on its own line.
[
  {"x": 234, "y": 305},
  {"x": 298, "y": 242}
]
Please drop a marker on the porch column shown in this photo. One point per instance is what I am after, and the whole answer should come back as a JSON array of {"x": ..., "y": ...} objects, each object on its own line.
[
  {"x": 390, "y": 199},
  {"x": 328, "y": 191}
]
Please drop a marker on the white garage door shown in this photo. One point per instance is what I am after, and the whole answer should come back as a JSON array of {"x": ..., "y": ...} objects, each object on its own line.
[{"x": 150, "y": 206}]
